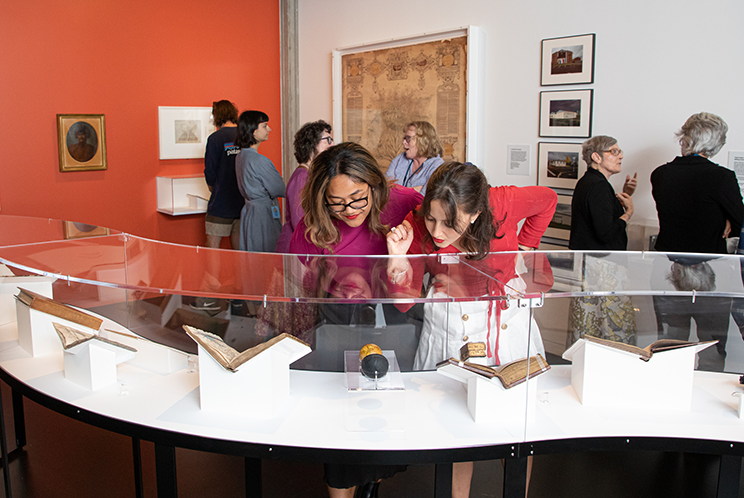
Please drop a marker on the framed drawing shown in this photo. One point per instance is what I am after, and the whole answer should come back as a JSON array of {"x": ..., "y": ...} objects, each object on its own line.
[
  {"x": 559, "y": 165},
  {"x": 379, "y": 87},
  {"x": 560, "y": 225},
  {"x": 75, "y": 230},
  {"x": 183, "y": 131},
  {"x": 566, "y": 114},
  {"x": 81, "y": 140},
  {"x": 567, "y": 61}
]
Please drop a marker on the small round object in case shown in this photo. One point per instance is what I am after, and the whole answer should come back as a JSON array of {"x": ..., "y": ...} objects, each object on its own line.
[{"x": 375, "y": 366}]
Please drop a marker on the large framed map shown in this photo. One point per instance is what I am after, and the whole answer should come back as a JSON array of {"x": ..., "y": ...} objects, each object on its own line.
[{"x": 380, "y": 87}]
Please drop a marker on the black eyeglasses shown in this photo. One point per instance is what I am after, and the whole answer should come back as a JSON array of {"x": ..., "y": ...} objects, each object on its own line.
[
  {"x": 355, "y": 204},
  {"x": 327, "y": 139}
]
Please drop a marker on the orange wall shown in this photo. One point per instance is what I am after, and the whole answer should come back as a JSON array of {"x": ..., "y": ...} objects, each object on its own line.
[{"x": 124, "y": 59}]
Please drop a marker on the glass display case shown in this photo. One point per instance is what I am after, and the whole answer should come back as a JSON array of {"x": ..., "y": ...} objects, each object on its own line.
[{"x": 455, "y": 325}]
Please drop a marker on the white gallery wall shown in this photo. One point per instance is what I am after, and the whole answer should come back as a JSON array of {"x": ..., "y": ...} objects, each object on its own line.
[{"x": 656, "y": 62}]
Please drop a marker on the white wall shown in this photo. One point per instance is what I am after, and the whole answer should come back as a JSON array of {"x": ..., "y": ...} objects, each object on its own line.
[{"x": 656, "y": 63}]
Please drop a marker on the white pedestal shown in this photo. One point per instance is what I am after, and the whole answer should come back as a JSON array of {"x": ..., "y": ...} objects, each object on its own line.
[
  {"x": 607, "y": 377},
  {"x": 92, "y": 364},
  {"x": 260, "y": 386},
  {"x": 36, "y": 333},
  {"x": 150, "y": 355},
  {"x": 9, "y": 286},
  {"x": 489, "y": 401}
]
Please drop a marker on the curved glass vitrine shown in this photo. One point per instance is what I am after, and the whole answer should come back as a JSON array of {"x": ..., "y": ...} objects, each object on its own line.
[{"x": 426, "y": 309}]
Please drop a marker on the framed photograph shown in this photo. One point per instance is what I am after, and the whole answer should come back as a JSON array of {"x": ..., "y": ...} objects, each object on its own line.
[
  {"x": 81, "y": 140},
  {"x": 567, "y": 61},
  {"x": 560, "y": 225},
  {"x": 183, "y": 131},
  {"x": 567, "y": 267},
  {"x": 559, "y": 165},
  {"x": 566, "y": 114},
  {"x": 74, "y": 230}
]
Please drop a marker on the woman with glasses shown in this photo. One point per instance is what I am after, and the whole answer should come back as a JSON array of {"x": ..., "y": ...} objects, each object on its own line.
[
  {"x": 348, "y": 204},
  {"x": 310, "y": 140},
  {"x": 420, "y": 157},
  {"x": 349, "y": 207},
  {"x": 260, "y": 184},
  {"x": 599, "y": 217}
]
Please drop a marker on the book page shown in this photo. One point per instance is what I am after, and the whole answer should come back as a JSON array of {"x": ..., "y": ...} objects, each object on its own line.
[{"x": 214, "y": 345}]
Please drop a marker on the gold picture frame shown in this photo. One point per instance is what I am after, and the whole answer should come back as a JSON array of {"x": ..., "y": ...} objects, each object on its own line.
[
  {"x": 81, "y": 140},
  {"x": 75, "y": 230}
]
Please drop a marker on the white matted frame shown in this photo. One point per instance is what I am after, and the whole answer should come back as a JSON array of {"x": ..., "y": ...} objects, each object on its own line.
[
  {"x": 560, "y": 225},
  {"x": 566, "y": 114},
  {"x": 183, "y": 131},
  {"x": 568, "y": 60},
  {"x": 559, "y": 165},
  {"x": 474, "y": 118},
  {"x": 567, "y": 267}
]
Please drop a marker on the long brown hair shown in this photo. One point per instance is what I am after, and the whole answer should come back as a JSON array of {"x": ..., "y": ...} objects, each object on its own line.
[
  {"x": 464, "y": 187},
  {"x": 357, "y": 163}
]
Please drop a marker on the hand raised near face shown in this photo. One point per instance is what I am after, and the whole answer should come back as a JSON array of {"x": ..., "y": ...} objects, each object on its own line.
[
  {"x": 399, "y": 239},
  {"x": 630, "y": 184}
]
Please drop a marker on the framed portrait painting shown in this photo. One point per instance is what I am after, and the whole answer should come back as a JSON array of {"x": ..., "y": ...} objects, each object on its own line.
[
  {"x": 566, "y": 114},
  {"x": 81, "y": 140},
  {"x": 183, "y": 131},
  {"x": 74, "y": 230},
  {"x": 559, "y": 165},
  {"x": 568, "y": 60}
]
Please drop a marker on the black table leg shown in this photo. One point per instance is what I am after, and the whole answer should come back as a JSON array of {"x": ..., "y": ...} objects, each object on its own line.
[
  {"x": 165, "y": 470},
  {"x": 515, "y": 477},
  {"x": 253, "y": 483},
  {"x": 137, "y": 458},
  {"x": 728, "y": 476},
  {"x": 443, "y": 480},
  {"x": 19, "y": 420},
  {"x": 4, "y": 447}
]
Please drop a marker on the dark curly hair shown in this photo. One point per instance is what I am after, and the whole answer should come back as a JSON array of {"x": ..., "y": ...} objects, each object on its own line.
[
  {"x": 307, "y": 138},
  {"x": 247, "y": 124},
  {"x": 224, "y": 111},
  {"x": 464, "y": 187}
]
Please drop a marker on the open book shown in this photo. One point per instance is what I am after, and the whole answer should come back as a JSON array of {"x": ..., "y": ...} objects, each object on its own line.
[
  {"x": 227, "y": 356},
  {"x": 71, "y": 337},
  {"x": 510, "y": 374},
  {"x": 647, "y": 352},
  {"x": 50, "y": 306}
]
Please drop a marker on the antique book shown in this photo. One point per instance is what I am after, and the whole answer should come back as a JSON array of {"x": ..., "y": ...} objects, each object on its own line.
[
  {"x": 71, "y": 337},
  {"x": 473, "y": 350},
  {"x": 227, "y": 356},
  {"x": 50, "y": 306},
  {"x": 510, "y": 374},
  {"x": 647, "y": 352}
]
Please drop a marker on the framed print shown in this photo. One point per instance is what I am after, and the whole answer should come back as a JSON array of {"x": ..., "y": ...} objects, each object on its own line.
[
  {"x": 183, "y": 131},
  {"x": 567, "y": 61},
  {"x": 81, "y": 140},
  {"x": 75, "y": 230},
  {"x": 567, "y": 267},
  {"x": 559, "y": 165},
  {"x": 560, "y": 225},
  {"x": 566, "y": 114},
  {"x": 378, "y": 87}
]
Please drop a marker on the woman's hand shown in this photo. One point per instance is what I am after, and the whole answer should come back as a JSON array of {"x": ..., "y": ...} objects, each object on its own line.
[
  {"x": 727, "y": 229},
  {"x": 399, "y": 239},
  {"x": 630, "y": 184},
  {"x": 627, "y": 203}
]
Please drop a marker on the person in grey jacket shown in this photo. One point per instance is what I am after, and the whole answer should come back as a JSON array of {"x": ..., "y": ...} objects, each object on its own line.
[{"x": 260, "y": 185}]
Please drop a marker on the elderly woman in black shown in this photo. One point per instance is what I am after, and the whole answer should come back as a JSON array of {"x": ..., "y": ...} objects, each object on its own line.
[
  {"x": 599, "y": 220},
  {"x": 599, "y": 216}
]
